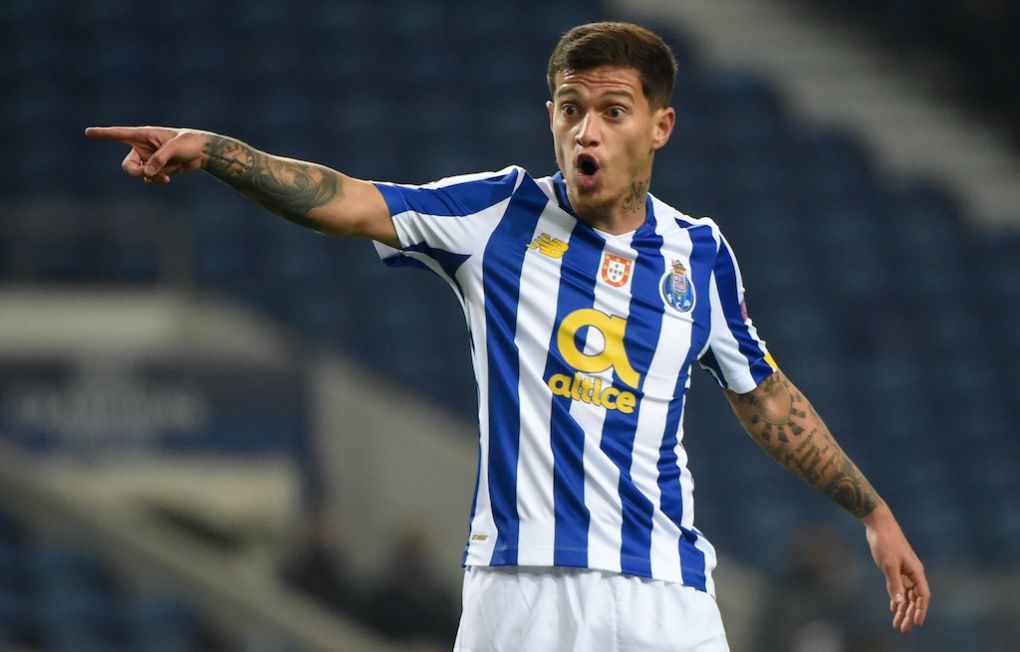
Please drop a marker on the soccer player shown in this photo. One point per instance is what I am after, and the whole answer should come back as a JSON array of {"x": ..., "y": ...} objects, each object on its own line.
[{"x": 588, "y": 301}]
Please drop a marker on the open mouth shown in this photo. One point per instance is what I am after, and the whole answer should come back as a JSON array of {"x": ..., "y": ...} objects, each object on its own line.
[{"x": 587, "y": 169}]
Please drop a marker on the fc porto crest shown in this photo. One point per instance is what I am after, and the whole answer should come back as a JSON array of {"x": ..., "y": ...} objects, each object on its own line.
[
  {"x": 676, "y": 288},
  {"x": 616, "y": 270}
]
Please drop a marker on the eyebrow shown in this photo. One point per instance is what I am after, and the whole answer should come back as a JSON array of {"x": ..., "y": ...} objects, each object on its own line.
[{"x": 575, "y": 93}]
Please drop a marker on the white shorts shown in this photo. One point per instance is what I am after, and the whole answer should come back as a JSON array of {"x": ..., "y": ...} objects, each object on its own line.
[{"x": 527, "y": 609}]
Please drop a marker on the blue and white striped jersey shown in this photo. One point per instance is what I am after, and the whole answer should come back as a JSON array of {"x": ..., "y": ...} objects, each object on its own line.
[{"x": 582, "y": 346}]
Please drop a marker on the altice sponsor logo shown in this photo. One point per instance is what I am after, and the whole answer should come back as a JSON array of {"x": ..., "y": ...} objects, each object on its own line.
[{"x": 595, "y": 391}]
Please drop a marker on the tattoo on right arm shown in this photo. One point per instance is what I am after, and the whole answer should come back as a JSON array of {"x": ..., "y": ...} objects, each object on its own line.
[{"x": 285, "y": 186}]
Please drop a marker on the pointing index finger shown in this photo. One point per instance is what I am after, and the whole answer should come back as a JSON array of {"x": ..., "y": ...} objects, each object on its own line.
[{"x": 114, "y": 133}]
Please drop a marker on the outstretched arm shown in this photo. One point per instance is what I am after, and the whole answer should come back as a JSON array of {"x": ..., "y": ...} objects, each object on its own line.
[
  {"x": 782, "y": 421},
  {"x": 306, "y": 193}
]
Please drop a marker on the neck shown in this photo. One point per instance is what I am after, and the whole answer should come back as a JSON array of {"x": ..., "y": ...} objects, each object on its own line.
[
  {"x": 633, "y": 203},
  {"x": 623, "y": 215}
]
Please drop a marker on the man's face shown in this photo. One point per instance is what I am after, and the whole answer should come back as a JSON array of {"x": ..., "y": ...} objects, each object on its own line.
[{"x": 605, "y": 135}]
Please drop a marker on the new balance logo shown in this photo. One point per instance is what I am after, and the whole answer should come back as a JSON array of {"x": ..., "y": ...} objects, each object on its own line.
[{"x": 549, "y": 246}]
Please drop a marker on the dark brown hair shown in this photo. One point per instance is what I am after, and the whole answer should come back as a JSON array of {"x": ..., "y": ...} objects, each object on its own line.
[{"x": 617, "y": 44}]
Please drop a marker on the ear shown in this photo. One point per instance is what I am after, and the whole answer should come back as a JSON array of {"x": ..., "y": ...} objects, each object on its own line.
[
  {"x": 663, "y": 120},
  {"x": 550, "y": 106}
]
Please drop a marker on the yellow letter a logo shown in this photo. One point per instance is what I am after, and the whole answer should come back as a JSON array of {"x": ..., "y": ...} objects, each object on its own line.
[{"x": 613, "y": 355}]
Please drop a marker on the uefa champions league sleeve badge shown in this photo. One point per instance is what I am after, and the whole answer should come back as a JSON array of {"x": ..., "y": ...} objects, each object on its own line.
[{"x": 677, "y": 289}]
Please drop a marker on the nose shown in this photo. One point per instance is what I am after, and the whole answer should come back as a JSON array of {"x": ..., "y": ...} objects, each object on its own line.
[{"x": 588, "y": 131}]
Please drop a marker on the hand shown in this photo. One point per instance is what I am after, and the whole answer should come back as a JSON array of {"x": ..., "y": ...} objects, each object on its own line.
[
  {"x": 909, "y": 595},
  {"x": 157, "y": 153}
]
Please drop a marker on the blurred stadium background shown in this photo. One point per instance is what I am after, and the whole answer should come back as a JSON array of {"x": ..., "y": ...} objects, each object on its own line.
[{"x": 221, "y": 432}]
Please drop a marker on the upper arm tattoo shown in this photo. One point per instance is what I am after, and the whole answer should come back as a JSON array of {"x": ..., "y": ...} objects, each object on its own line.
[
  {"x": 285, "y": 186},
  {"x": 784, "y": 424}
]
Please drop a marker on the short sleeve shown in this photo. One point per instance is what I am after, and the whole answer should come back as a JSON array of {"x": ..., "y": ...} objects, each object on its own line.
[
  {"x": 736, "y": 356},
  {"x": 445, "y": 221}
]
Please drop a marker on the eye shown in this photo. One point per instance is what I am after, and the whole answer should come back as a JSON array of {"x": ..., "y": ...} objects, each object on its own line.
[
  {"x": 569, "y": 109},
  {"x": 616, "y": 112}
]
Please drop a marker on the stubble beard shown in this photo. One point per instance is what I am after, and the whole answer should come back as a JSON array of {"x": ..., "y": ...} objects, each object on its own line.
[{"x": 589, "y": 204}]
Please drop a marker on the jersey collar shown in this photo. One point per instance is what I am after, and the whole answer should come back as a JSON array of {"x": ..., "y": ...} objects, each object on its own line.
[{"x": 561, "y": 197}]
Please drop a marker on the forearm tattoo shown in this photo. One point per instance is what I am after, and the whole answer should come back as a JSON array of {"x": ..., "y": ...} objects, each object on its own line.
[
  {"x": 285, "y": 186},
  {"x": 785, "y": 425}
]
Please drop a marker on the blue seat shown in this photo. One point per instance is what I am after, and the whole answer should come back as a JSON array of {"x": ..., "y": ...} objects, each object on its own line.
[
  {"x": 93, "y": 619},
  {"x": 410, "y": 21},
  {"x": 160, "y": 622},
  {"x": 769, "y": 518},
  {"x": 122, "y": 261},
  {"x": 16, "y": 614},
  {"x": 1001, "y": 529},
  {"x": 261, "y": 16},
  {"x": 58, "y": 567},
  {"x": 80, "y": 640},
  {"x": 750, "y": 114},
  {"x": 201, "y": 102},
  {"x": 832, "y": 164}
]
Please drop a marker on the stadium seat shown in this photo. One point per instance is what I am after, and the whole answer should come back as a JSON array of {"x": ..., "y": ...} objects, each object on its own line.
[{"x": 161, "y": 623}]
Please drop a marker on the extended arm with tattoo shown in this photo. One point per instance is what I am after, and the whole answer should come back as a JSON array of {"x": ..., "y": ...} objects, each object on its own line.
[
  {"x": 308, "y": 194},
  {"x": 786, "y": 426},
  {"x": 289, "y": 188},
  {"x": 782, "y": 421}
]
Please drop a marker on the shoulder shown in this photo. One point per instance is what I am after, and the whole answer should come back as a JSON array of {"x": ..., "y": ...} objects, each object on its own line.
[
  {"x": 460, "y": 195},
  {"x": 511, "y": 175},
  {"x": 546, "y": 185},
  {"x": 671, "y": 218}
]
